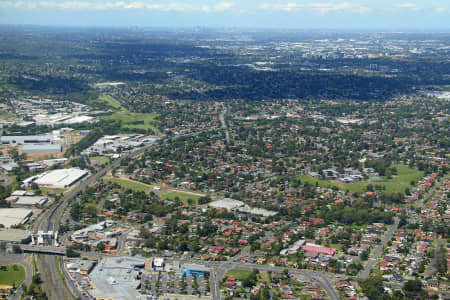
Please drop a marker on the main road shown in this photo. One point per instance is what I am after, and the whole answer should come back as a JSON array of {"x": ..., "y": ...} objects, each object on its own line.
[
  {"x": 432, "y": 191},
  {"x": 234, "y": 263},
  {"x": 224, "y": 124},
  {"x": 218, "y": 269},
  {"x": 323, "y": 279}
]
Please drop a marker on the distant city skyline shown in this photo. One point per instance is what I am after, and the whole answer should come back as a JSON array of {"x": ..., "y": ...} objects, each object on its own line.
[{"x": 297, "y": 14}]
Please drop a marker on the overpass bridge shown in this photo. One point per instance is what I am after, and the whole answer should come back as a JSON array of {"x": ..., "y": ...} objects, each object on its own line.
[{"x": 51, "y": 250}]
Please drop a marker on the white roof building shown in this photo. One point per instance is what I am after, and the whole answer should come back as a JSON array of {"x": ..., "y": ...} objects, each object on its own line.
[
  {"x": 61, "y": 178},
  {"x": 31, "y": 201},
  {"x": 19, "y": 193},
  {"x": 158, "y": 262},
  {"x": 14, "y": 216},
  {"x": 33, "y": 139},
  {"x": 226, "y": 203}
]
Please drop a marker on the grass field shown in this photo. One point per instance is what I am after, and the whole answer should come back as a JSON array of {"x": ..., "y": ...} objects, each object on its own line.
[
  {"x": 138, "y": 187},
  {"x": 397, "y": 183},
  {"x": 7, "y": 116},
  {"x": 107, "y": 100},
  {"x": 101, "y": 159},
  {"x": 184, "y": 197},
  {"x": 45, "y": 191},
  {"x": 129, "y": 119},
  {"x": 14, "y": 274},
  {"x": 135, "y": 120},
  {"x": 264, "y": 276},
  {"x": 239, "y": 274}
]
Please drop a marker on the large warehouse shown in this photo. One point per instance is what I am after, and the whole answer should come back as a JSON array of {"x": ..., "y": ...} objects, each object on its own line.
[
  {"x": 14, "y": 236},
  {"x": 26, "y": 139},
  {"x": 14, "y": 216},
  {"x": 41, "y": 148},
  {"x": 37, "y": 201},
  {"x": 62, "y": 178}
]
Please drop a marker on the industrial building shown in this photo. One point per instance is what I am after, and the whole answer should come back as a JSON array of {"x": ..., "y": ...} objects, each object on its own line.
[
  {"x": 9, "y": 166},
  {"x": 18, "y": 193},
  {"x": 54, "y": 162},
  {"x": 41, "y": 148},
  {"x": 117, "y": 143},
  {"x": 61, "y": 178},
  {"x": 16, "y": 236},
  {"x": 84, "y": 267},
  {"x": 14, "y": 216},
  {"x": 36, "y": 201},
  {"x": 26, "y": 139}
]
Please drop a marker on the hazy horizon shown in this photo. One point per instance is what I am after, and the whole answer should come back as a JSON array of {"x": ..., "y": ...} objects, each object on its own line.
[{"x": 310, "y": 14}]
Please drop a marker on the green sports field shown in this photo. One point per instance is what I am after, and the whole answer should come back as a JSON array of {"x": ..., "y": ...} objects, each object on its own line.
[
  {"x": 397, "y": 184},
  {"x": 239, "y": 274},
  {"x": 104, "y": 99},
  {"x": 12, "y": 275},
  {"x": 184, "y": 197},
  {"x": 138, "y": 187},
  {"x": 135, "y": 120}
]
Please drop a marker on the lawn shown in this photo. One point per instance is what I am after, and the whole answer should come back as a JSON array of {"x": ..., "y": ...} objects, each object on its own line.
[
  {"x": 239, "y": 274},
  {"x": 182, "y": 196},
  {"x": 135, "y": 120},
  {"x": 46, "y": 191},
  {"x": 7, "y": 116},
  {"x": 104, "y": 99},
  {"x": 101, "y": 159},
  {"x": 338, "y": 247},
  {"x": 129, "y": 119},
  {"x": 397, "y": 183},
  {"x": 264, "y": 277},
  {"x": 12, "y": 275},
  {"x": 135, "y": 186}
]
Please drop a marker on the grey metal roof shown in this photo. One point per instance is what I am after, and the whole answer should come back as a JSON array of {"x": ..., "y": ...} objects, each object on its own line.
[{"x": 36, "y": 148}]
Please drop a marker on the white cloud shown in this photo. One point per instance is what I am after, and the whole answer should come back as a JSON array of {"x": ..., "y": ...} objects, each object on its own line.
[
  {"x": 108, "y": 5},
  {"x": 325, "y": 7},
  {"x": 410, "y": 6},
  {"x": 319, "y": 7},
  {"x": 17, "y": 4},
  {"x": 442, "y": 10},
  {"x": 222, "y": 6},
  {"x": 80, "y": 5}
]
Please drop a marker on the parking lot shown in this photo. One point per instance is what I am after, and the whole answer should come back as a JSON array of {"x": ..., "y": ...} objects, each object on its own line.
[
  {"x": 160, "y": 283},
  {"x": 82, "y": 283}
]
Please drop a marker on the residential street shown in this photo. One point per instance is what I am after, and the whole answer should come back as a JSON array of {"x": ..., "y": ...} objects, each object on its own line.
[{"x": 376, "y": 254}]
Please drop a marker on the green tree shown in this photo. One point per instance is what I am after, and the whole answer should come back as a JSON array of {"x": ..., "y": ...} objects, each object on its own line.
[
  {"x": 373, "y": 288},
  {"x": 70, "y": 252},
  {"x": 16, "y": 249}
]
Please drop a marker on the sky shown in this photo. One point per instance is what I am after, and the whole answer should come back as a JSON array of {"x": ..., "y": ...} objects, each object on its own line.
[{"x": 295, "y": 14}]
